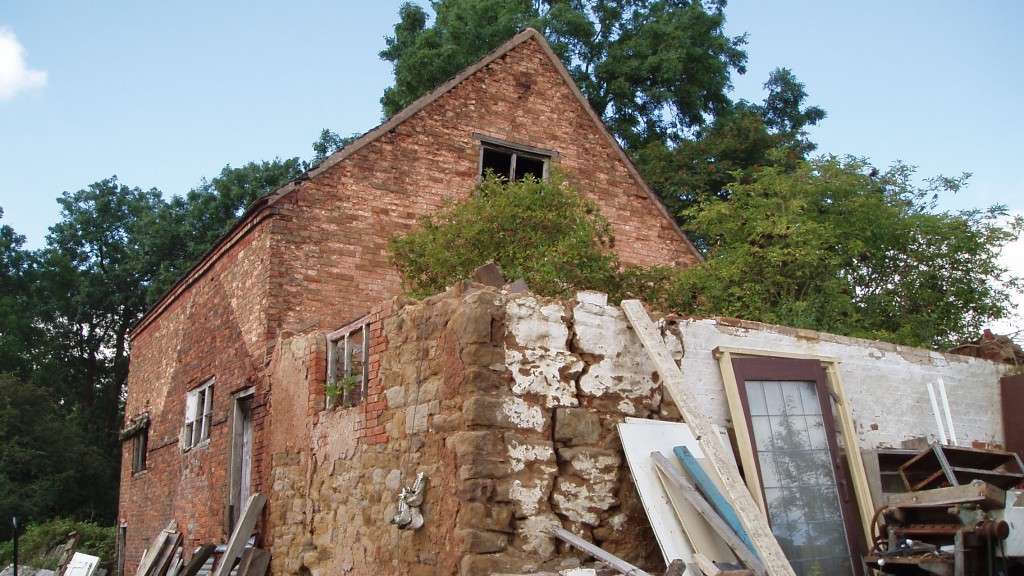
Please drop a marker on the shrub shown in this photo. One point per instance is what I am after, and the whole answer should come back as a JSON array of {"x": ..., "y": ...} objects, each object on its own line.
[
  {"x": 540, "y": 231},
  {"x": 36, "y": 545}
]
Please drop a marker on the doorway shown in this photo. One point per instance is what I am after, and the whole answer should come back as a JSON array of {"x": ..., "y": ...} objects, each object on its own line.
[
  {"x": 240, "y": 485},
  {"x": 805, "y": 486}
]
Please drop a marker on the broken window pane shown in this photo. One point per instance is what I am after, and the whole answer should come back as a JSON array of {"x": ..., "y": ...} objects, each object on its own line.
[
  {"x": 347, "y": 369},
  {"x": 497, "y": 161}
]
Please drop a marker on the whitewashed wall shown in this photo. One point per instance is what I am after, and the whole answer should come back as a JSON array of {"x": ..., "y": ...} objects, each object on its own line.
[{"x": 885, "y": 383}]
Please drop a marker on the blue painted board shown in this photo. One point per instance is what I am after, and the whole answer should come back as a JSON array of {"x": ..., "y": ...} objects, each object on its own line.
[{"x": 710, "y": 491}]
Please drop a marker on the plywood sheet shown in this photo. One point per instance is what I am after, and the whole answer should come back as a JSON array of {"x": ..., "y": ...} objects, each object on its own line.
[{"x": 676, "y": 539}]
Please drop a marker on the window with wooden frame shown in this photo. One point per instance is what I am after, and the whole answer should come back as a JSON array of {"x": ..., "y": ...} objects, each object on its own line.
[
  {"x": 137, "y": 432},
  {"x": 348, "y": 355},
  {"x": 512, "y": 162},
  {"x": 198, "y": 415}
]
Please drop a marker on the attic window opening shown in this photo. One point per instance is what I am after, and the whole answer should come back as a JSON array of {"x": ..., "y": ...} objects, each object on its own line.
[
  {"x": 348, "y": 355},
  {"x": 512, "y": 164}
]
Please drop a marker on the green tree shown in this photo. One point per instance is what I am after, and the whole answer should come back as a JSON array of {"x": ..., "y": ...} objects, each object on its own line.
[
  {"x": 834, "y": 245},
  {"x": 49, "y": 464},
  {"x": 19, "y": 335},
  {"x": 650, "y": 68},
  {"x": 328, "y": 143}
]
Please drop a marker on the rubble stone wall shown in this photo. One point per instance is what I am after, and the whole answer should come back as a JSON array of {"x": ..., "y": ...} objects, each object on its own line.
[{"x": 508, "y": 403}]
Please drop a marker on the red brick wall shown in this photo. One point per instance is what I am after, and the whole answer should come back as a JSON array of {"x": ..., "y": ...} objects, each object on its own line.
[
  {"x": 334, "y": 241},
  {"x": 215, "y": 329}
]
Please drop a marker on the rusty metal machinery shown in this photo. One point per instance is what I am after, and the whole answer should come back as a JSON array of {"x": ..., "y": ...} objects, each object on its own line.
[{"x": 954, "y": 531}]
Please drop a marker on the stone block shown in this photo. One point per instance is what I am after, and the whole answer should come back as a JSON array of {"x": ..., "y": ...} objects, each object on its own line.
[
  {"x": 577, "y": 426},
  {"x": 480, "y": 516},
  {"x": 481, "y": 541},
  {"x": 504, "y": 412}
]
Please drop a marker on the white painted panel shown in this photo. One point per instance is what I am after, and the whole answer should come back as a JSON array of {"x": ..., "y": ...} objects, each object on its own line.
[
  {"x": 82, "y": 565},
  {"x": 641, "y": 437}
]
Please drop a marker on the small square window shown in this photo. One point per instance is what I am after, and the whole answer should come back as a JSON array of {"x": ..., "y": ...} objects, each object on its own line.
[
  {"x": 348, "y": 353},
  {"x": 198, "y": 415},
  {"x": 512, "y": 164}
]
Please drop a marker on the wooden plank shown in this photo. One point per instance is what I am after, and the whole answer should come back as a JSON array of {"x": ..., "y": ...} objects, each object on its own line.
[
  {"x": 256, "y": 563},
  {"x": 675, "y": 538},
  {"x": 854, "y": 461},
  {"x": 1011, "y": 390},
  {"x": 738, "y": 351},
  {"x": 155, "y": 548},
  {"x": 672, "y": 380},
  {"x": 710, "y": 491},
  {"x": 607, "y": 557},
  {"x": 677, "y": 483},
  {"x": 199, "y": 557},
  {"x": 985, "y": 495},
  {"x": 739, "y": 424},
  {"x": 163, "y": 561},
  {"x": 243, "y": 530}
]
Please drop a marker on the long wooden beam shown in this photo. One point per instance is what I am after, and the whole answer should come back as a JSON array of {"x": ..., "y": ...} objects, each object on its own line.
[{"x": 672, "y": 379}]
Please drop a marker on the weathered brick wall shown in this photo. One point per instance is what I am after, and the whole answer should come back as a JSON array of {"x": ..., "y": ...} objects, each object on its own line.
[
  {"x": 215, "y": 329},
  {"x": 334, "y": 251}
]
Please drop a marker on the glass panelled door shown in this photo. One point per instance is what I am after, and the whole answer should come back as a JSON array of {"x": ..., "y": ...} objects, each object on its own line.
[{"x": 792, "y": 431}]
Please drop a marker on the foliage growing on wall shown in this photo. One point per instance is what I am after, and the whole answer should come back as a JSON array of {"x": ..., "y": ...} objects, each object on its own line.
[
  {"x": 543, "y": 232},
  {"x": 830, "y": 245}
]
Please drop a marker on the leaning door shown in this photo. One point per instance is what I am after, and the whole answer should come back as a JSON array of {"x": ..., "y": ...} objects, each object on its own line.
[{"x": 806, "y": 492}]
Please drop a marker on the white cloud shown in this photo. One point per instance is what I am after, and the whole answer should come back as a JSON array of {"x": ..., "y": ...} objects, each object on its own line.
[{"x": 15, "y": 75}]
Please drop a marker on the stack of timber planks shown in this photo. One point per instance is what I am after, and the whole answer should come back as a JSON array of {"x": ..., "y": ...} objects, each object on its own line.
[{"x": 164, "y": 557}]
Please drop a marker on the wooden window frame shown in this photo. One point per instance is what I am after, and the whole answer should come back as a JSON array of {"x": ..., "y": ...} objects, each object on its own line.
[
  {"x": 516, "y": 150},
  {"x": 194, "y": 436},
  {"x": 844, "y": 420},
  {"x": 140, "y": 445},
  {"x": 342, "y": 336}
]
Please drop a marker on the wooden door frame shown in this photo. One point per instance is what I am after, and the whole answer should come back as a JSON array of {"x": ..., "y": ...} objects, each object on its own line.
[
  {"x": 766, "y": 368},
  {"x": 234, "y": 468}
]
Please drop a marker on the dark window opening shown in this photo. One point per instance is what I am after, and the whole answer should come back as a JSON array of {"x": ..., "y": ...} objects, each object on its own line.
[
  {"x": 527, "y": 166},
  {"x": 512, "y": 164},
  {"x": 139, "y": 450},
  {"x": 497, "y": 161}
]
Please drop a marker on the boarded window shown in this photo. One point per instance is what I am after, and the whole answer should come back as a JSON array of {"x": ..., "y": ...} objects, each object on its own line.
[
  {"x": 198, "y": 415},
  {"x": 348, "y": 351},
  {"x": 511, "y": 163}
]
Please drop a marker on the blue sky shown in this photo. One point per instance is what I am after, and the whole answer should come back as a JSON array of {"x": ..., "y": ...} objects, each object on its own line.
[{"x": 163, "y": 94}]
